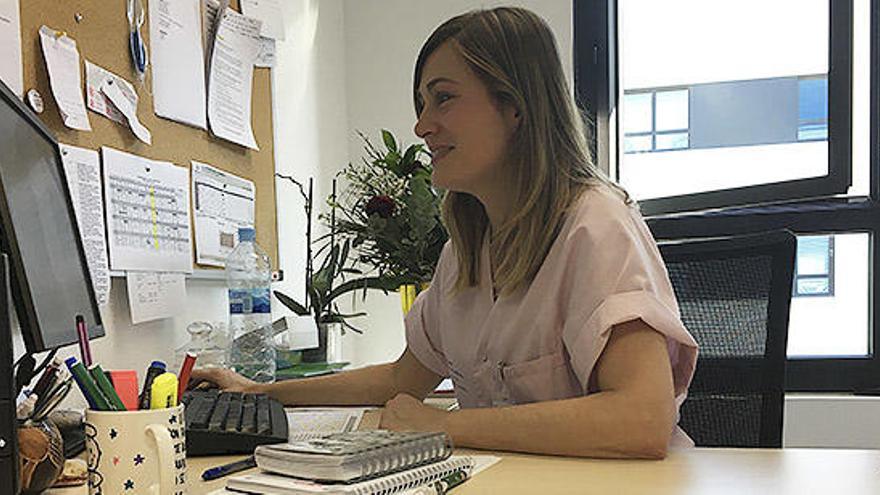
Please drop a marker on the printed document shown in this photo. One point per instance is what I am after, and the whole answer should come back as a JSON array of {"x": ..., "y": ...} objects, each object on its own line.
[
  {"x": 155, "y": 295},
  {"x": 266, "y": 57},
  {"x": 269, "y": 13},
  {"x": 62, "y": 63},
  {"x": 223, "y": 203},
  {"x": 230, "y": 82},
  {"x": 147, "y": 213},
  {"x": 82, "y": 167},
  {"x": 114, "y": 98},
  {"x": 10, "y": 47},
  {"x": 178, "y": 61},
  {"x": 210, "y": 22}
]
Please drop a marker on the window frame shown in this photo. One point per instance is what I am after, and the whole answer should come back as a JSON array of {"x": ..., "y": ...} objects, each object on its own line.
[
  {"x": 597, "y": 82},
  {"x": 775, "y": 206}
]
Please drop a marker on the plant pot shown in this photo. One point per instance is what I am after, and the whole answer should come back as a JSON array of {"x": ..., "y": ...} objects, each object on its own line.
[{"x": 329, "y": 348}]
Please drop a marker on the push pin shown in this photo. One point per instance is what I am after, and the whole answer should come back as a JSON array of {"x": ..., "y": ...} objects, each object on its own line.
[{"x": 78, "y": 17}]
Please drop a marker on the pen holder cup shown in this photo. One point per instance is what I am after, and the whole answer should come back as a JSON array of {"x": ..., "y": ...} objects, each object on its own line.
[{"x": 136, "y": 451}]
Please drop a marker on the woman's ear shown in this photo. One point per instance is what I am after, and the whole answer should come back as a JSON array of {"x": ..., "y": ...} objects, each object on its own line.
[{"x": 512, "y": 116}]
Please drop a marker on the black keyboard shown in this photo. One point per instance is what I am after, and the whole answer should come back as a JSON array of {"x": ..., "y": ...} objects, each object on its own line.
[{"x": 231, "y": 422}]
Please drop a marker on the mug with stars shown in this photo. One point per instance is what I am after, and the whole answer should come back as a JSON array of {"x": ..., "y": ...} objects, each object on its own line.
[{"x": 136, "y": 452}]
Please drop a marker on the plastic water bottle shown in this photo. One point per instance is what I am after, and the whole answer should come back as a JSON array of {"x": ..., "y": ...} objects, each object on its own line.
[{"x": 248, "y": 278}]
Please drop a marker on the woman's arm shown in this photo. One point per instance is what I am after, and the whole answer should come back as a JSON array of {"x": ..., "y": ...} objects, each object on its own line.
[
  {"x": 372, "y": 385},
  {"x": 631, "y": 416}
]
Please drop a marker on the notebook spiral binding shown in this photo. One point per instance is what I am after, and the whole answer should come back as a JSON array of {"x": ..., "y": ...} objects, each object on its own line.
[{"x": 415, "y": 477}]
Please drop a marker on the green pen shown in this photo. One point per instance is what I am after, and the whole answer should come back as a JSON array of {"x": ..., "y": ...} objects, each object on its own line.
[
  {"x": 451, "y": 481},
  {"x": 90, "y": 387},
  {"x": 106, "y": 387}
]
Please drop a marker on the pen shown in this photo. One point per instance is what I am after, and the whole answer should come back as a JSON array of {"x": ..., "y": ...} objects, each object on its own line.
[
  {"x": 155, "y": 369},
  {"x": 185, "y": 372},
  {"x": 87, "y": 386},
  {"x": 233, "y": 467},
  {"x": 47, "y": 378},
  {"x": 57, "y": 395},
  {"x": 82, "y": 335},
  {"x": 106, "y": 387}
]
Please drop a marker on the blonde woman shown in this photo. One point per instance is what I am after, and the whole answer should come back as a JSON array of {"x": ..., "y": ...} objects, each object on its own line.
[{"x": 550, "y": 307}]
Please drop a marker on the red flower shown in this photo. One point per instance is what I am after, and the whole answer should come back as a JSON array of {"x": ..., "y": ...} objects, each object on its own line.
[{"x": 380, "y": 205}]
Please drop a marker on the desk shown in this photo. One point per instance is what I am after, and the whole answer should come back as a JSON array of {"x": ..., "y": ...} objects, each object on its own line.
[{"x": 684, "y": 472}]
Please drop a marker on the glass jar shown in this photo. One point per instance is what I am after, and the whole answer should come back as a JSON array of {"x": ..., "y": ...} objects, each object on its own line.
[{"x": 206, "y": 342}]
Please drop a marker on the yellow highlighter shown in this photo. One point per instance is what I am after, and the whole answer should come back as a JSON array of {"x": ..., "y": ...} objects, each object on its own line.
[{"x": 163, "y": 393}]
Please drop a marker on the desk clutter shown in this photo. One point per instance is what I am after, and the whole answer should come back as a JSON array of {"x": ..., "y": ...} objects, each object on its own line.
[{"x": 359, "y": 462}]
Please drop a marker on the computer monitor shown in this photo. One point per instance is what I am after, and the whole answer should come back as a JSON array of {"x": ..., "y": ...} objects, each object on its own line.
[{"x": 49, "y": 281}]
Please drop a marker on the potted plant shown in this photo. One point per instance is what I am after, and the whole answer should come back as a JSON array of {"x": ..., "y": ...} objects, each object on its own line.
[
  {"x": 321, "y": 288},
  {"x": 391, "y": 214}
]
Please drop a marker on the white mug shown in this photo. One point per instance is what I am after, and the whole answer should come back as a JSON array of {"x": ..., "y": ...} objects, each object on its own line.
[{"x": 136, "y": 452}]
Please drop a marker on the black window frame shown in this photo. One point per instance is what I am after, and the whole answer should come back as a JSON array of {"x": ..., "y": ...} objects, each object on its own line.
[
  {"x": 596, "y": 72},
  {"x": 763, "y": 207}
]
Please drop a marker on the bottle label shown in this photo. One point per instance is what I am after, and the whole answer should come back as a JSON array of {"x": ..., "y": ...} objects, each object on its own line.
[{"x": 249, "y": 301}]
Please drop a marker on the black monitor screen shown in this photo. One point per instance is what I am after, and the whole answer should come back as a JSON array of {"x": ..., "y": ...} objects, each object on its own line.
[{"x": 50, "y": 278}]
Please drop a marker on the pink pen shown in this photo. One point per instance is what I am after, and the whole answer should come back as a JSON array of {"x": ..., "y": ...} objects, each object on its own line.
[{"x": 83, "y": 338}]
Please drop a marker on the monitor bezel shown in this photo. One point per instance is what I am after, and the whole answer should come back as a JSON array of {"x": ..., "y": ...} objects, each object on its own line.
[{"x": 29, "y": 324}]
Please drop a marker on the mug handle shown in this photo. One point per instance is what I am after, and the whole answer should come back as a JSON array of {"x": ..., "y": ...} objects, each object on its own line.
[{"x": 165, "y": 447}]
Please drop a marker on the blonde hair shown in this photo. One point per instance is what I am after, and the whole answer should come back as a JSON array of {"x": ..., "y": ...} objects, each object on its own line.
[{"x": 514, "y": 53}]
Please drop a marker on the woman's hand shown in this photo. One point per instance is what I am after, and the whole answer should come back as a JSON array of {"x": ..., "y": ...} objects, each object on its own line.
[
  {"x": 223, "y": 378},
  {"x": 406, "y": 413}
]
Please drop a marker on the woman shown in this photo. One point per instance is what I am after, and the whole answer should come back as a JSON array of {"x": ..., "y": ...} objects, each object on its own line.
[{"x": 550, "y": 307}]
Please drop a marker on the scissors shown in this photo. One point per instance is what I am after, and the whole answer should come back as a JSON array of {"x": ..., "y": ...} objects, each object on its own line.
[{"x": 135, "y": 40}]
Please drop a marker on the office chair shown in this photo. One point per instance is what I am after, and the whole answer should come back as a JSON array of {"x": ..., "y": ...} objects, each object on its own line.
[{"x": 734, "y": 295}]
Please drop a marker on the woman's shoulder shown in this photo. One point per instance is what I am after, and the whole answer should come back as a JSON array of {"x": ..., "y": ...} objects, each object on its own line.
[{"x": 600, "y": 207}]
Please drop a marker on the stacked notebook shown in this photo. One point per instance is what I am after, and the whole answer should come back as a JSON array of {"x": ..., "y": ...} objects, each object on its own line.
[{"x": 359, "y": 462}]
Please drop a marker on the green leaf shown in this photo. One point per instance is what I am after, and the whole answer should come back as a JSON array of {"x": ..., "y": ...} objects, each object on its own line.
[
  {"x": 294, "y": 306},
  {"x": 344, "y": 256},
  {"x": 352, "y": 315},
  {"x": 382, "y": 283},
  {"x": 388, "y": 138}
]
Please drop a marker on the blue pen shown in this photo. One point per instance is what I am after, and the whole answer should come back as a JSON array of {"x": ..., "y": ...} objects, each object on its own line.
[{"x": 233, "y": 467}]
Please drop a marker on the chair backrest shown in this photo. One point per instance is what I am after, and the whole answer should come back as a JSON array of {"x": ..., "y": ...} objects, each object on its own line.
[{"x": 734, "y": 295}]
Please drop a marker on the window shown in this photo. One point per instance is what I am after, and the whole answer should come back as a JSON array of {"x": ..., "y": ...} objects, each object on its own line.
[
  {"x": 812, "y": 109},
  {"x": 814, "y": 266},
  {"x": 774, "y": 128},
  {"x": 749, "y": 114},
  {"x": 656, "y": 121}
]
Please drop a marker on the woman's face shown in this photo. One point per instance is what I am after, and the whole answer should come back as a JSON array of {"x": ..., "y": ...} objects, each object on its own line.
[{"x": 466, "y": 130}]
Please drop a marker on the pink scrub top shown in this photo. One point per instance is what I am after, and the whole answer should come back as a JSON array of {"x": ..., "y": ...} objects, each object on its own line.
[{"x": 541, "y": 343}]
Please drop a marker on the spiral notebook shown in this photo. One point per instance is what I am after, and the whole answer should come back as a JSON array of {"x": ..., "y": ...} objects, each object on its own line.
[
  {"x": 276, "y": 484},
  {"x": 354, "y": 456}
]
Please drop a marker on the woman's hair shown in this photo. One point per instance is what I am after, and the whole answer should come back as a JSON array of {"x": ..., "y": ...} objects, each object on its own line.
[{"x": 514, "y": 53}]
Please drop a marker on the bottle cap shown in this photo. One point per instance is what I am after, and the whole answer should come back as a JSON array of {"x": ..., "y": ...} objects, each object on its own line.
[
  {"x": 157, "y": 364},
  {"x": 246, "y": 234}
]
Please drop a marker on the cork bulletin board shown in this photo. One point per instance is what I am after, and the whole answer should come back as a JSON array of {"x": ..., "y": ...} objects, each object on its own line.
[{"x": 100, "y": 28}]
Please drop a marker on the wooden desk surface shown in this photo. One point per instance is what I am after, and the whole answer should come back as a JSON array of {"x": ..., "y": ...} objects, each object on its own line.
[{"x": 696, "y": 471}]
